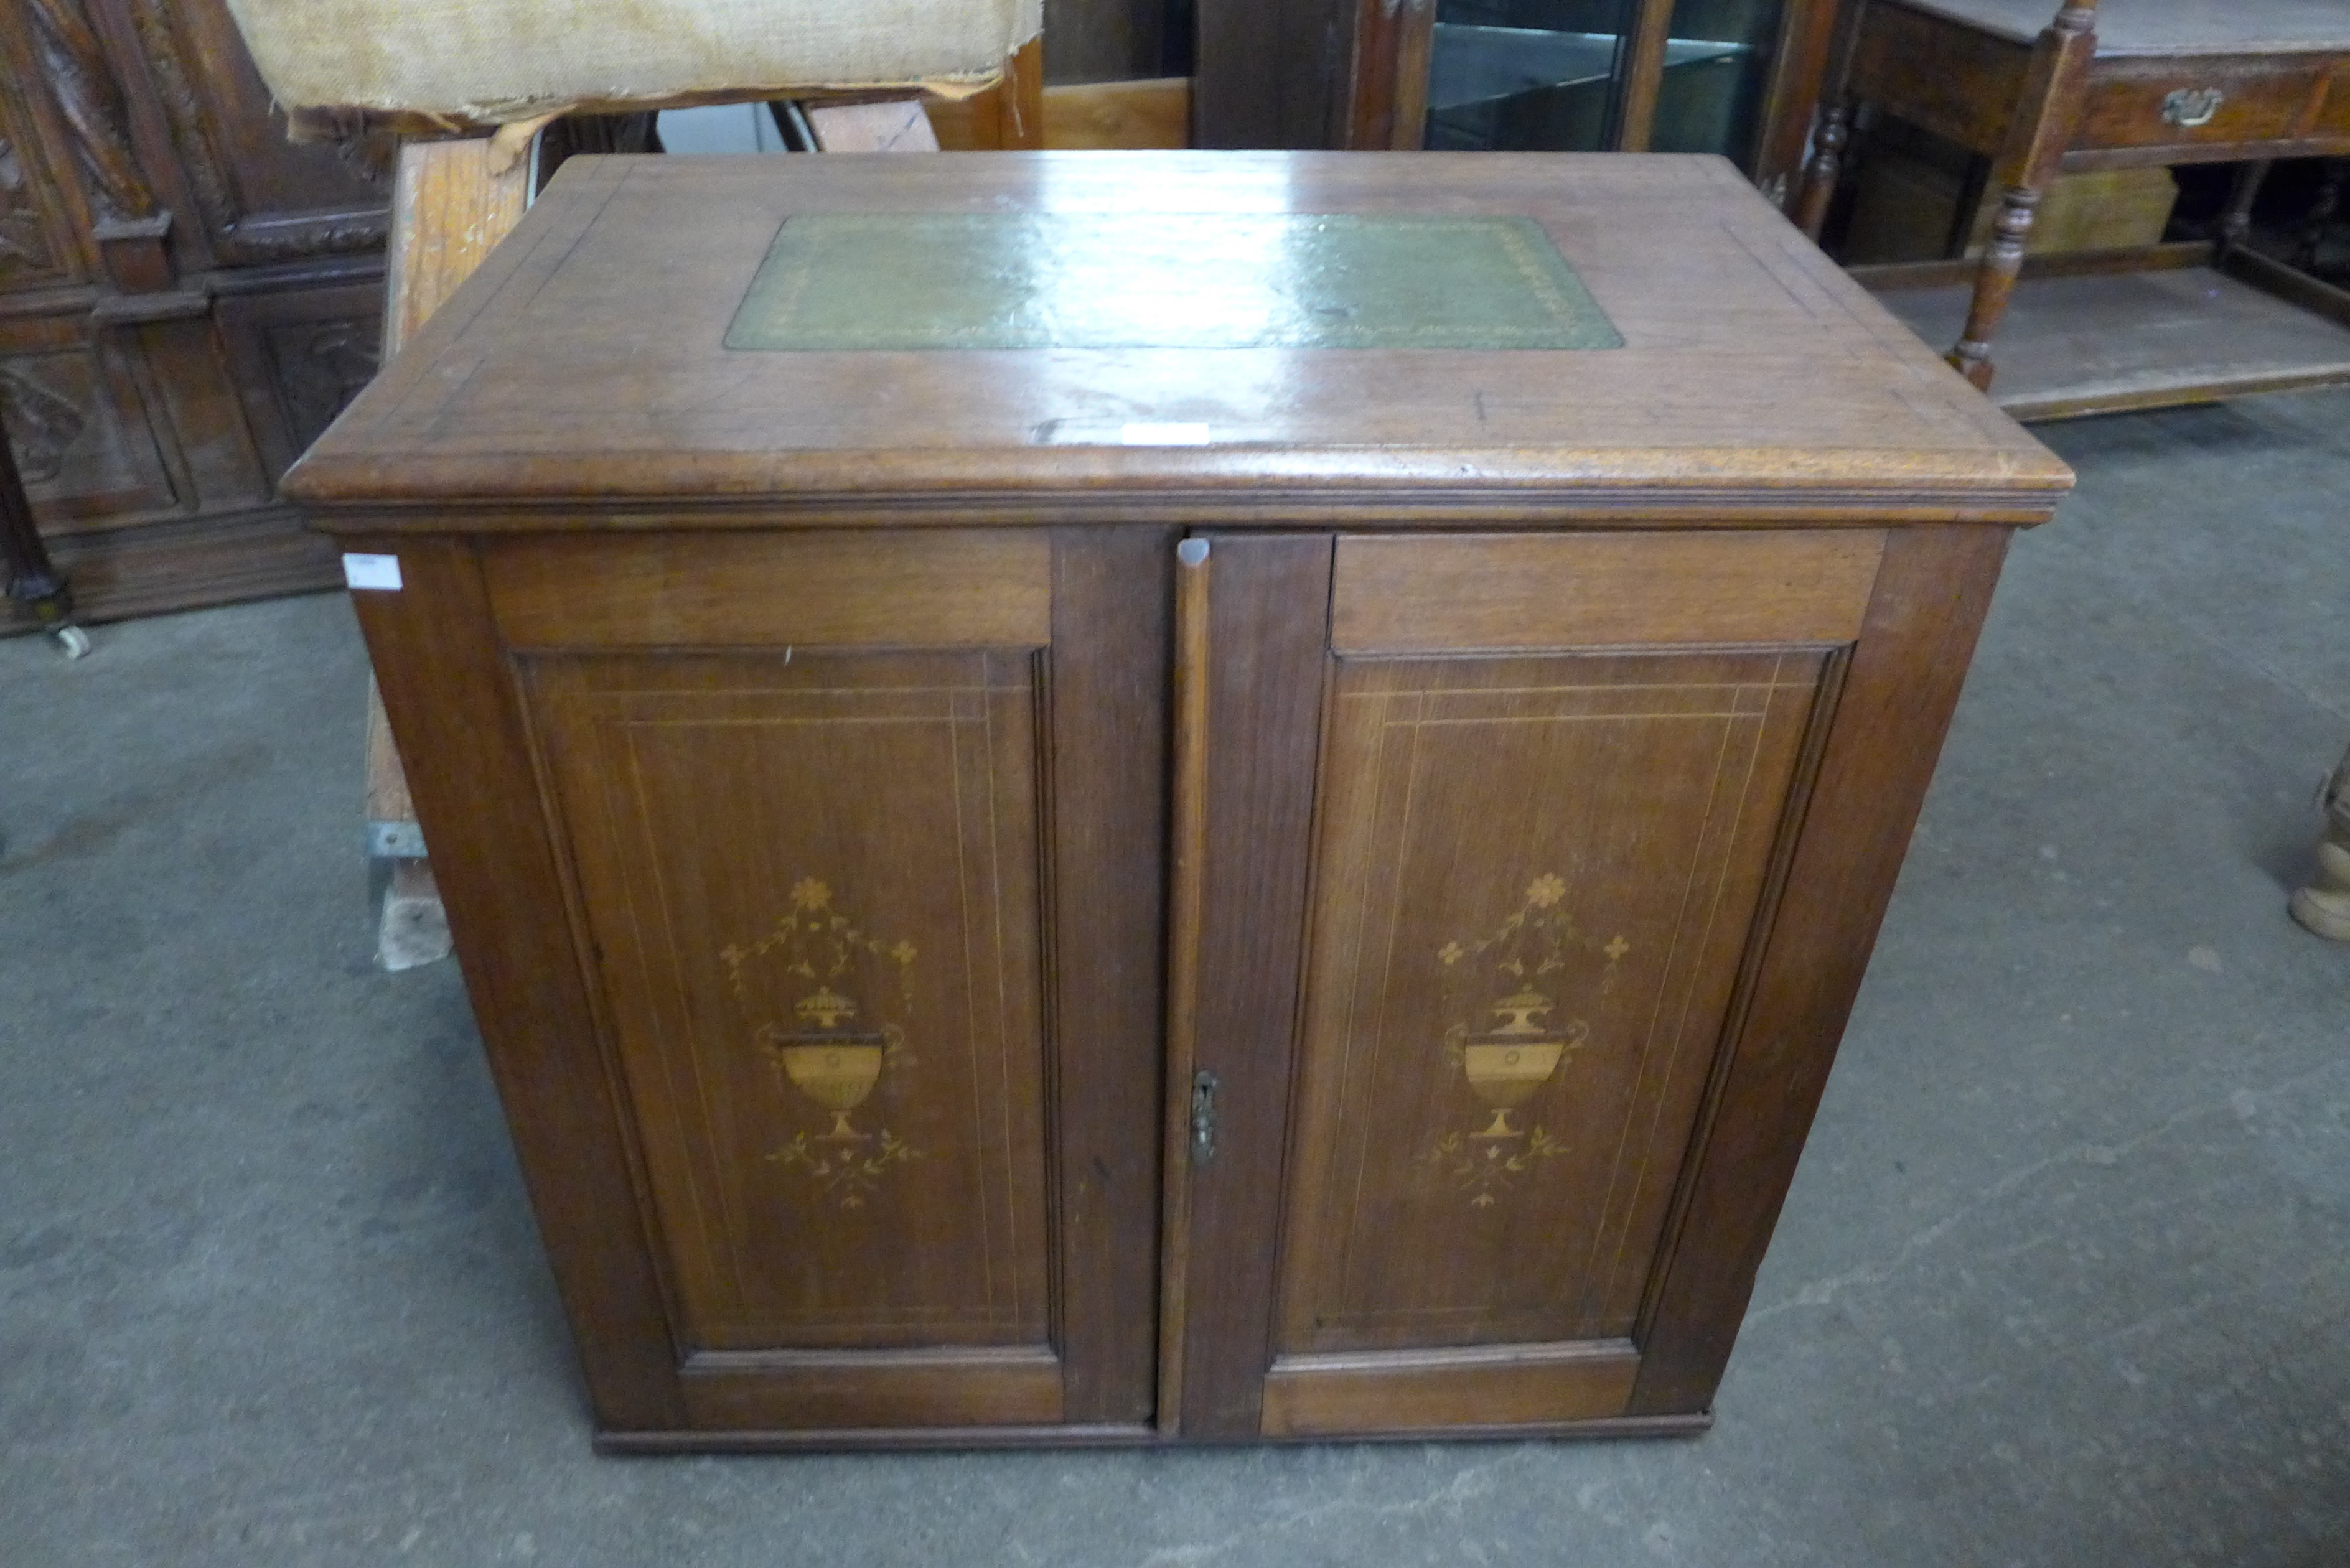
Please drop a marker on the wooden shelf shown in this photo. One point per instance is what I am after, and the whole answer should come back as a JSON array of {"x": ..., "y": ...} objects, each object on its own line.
[{"x": 2156, "y": 329}]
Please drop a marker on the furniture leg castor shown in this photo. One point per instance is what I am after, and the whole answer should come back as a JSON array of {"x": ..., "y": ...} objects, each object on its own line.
[{"x": 2324, "y": 904}]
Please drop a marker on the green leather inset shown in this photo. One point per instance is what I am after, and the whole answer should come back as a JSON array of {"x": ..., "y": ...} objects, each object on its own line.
[{"x": 1164, "y": 280}]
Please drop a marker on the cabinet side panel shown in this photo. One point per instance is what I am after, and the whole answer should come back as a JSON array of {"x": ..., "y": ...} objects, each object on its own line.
[
  {"x": 447, "y": 692},
  {"x": 812, "y": 885},
  {"x": 1536, "y": 879},
  {"x": 1894, "y": 707}
]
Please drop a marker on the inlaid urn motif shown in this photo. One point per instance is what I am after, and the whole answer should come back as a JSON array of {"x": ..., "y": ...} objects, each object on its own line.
[
  {"x": 1509, "y": 1062},
  {"x": 829, "y": 1062},
  {"x": 1513, "y": 1042},
  {"x": 826, "y": 1051}
]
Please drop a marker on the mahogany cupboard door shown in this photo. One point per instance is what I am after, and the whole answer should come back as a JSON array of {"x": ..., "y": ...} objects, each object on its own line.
[
  {"x": 839, "y": 886},
  {"x": 1521, "y": 885}
]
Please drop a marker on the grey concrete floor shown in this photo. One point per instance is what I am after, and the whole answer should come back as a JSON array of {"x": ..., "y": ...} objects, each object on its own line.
[{"x": 2064, "y": 1278}]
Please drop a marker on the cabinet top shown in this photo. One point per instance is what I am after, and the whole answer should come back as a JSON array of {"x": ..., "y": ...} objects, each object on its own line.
[{"x": 1280, "y": 335}]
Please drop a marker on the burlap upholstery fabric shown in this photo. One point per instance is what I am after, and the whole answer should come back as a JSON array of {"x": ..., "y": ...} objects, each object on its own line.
[{"x": 491, "y": 60}]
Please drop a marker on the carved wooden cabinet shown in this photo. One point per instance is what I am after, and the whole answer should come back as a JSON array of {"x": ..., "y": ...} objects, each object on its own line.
[
  {"x": 186, "y": 300},
  {"x": 1158, "y": 797}
]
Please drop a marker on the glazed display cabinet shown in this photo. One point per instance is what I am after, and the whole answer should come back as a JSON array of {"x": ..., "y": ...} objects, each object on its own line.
[
  {"x": 1737, "y": 78},
  {"x": 1164, "y": 798}
]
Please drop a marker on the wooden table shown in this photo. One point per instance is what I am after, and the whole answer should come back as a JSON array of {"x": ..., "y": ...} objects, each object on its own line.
[
  {"x": 1187, "y": 797},
  {"x": 2141, "y": 83}
]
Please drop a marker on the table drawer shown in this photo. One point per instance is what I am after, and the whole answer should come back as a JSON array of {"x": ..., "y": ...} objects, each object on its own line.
[{"x": 2200, "y": 102}]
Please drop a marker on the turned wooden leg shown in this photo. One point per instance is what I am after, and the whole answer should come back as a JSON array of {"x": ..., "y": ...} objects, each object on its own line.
[
  {"x": 2324, "y": 904},
  {"x": 1825, "y": 168},
  {"x": 2323, "y": 209},
  {"x": 2237, "y": 221},
  {"x": 2046, "y": 114},
  {"x": 1994, "y": 284}
]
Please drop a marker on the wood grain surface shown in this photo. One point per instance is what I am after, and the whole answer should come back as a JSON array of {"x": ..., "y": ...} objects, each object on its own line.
[
  {"x": 1263, "y": 652},
  {"x": 962, "y": 970},
  {"x": 2169, "y": 26},
  {"x": 583, "y": 362},
  {"x": 1503, "y": 1386},
  {"x": 1559, "y": 857},
  {"x": 1888, "y": 711},
  {"x": 1518, "y": 590},
  {"x": 965, "y": 589}
]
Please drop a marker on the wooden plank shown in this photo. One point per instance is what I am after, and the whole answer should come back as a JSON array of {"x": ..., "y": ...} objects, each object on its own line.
[
  {"x": 1109, "y": 115},
  {"x": 1799, "y": 88},
  {"x": 891, "y": 125},
  {"x": 1747, "y": 356},
  {"x": 1951, "y": 80},
  {"x": 943, "y": 589},
  {"x": 1188, "y": 836},
  {"x": 1884, "y": 277},
  {"x": 809, "y": 1390},
  {"x": 387, "y": 799},
  {"x": 1644, "y": 75},
  {"x": 2107, "y": 341},
  {"x": 447, "y": 688},
  {"x": 2290, "y": 284},
  {"x": 451, "y": 202},
  {"x": 1271, "y": 73},
  {"x": 1903, "y": 683},
  {"x": 1404, "y": 595},
  {"x": 1107, "y": 688},
  {"x": 1268, "y": 607},
  {"x": 1386, "y": 88},
  {"x": 1490, "y": 1385}
]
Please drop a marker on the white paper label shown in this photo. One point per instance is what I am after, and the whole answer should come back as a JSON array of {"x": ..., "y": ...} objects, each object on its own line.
[
  {"x": 378, "y": 572},
  {"x": 1163, "y": 435}
]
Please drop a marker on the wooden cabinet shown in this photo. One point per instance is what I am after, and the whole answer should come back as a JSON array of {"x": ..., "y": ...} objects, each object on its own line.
[
  {"x": 186, "y": 300},
  {"x": 1000, "y": 915}
]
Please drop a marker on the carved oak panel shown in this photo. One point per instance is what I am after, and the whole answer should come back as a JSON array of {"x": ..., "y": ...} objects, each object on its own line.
[
  {"x": 36, "y": 246},
  {"x": 78, "y": 426},
  {"x": 260, "y": 197},
  {"x": 299, "y": 356}
]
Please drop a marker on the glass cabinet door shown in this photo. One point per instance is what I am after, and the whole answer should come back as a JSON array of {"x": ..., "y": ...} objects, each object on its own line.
[
  {"x": 1719, "y": 56},
  {"x": 1671, "y": 76},
  {"x": 1525, "y": 75}
]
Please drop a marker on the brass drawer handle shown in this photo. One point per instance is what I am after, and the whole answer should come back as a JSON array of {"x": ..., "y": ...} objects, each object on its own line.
[{"x": 2191, "y": 107}]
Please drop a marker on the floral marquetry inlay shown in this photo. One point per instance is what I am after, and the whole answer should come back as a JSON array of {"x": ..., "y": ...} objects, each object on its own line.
[
  {"x": 1508, "y": 1037},
  {"x": 838, "y": 1035}
]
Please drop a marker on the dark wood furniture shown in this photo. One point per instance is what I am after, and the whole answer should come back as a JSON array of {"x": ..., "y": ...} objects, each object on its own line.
[
  {"x": 1735, "y": 76},
  {"x": 34, "y": 581},
  {"x": 186, "y": 300},
  {"x": 2143, "y": 83},
  {"x": 1101, "y": 891}
]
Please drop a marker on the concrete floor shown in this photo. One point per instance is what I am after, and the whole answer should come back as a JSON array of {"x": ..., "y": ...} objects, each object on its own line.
[{"x": 2065, "y": 1277}]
